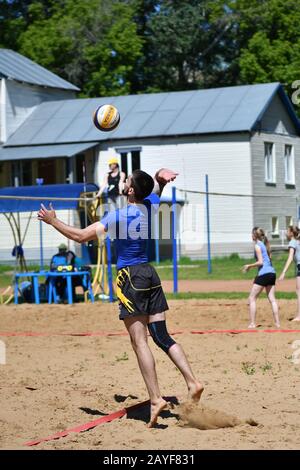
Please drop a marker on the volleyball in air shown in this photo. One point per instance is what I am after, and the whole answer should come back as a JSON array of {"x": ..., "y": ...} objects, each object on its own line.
[{"x": 106, "y": 117}]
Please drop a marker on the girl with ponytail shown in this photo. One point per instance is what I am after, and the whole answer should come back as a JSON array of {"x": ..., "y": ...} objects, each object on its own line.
[
  {"x": 266, "y": 276},
  {"x": 293, "y": 235}
]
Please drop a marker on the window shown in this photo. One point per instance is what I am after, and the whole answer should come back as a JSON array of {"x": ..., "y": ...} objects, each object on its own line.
[
  {"x": 80, "y": 162},
  {"x": 46, "y": 169},
  {"x": 21, "y": 173},
  {"x": 130, "y": 160},
  {"x": 270, "y": 168},
  {"x": 275, "y": 227},
  {"x": 289, "y": 164},
  {"x": 288, "y": 221}
]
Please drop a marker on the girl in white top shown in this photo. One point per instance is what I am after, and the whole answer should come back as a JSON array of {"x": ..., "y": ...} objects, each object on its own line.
[{"x": 293, "y": 235}]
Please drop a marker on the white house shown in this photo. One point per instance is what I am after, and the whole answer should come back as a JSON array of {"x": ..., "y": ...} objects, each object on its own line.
[{"x": 245, "y": 138}]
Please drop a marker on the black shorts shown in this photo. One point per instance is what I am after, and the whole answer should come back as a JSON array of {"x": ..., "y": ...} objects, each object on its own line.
[
  {"x": 265, "y": 280},
  {"x": 139, "y": 291},
  {"x": 298, "y": 270}
]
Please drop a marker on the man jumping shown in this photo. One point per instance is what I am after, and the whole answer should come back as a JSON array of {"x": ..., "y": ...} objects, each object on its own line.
[{"x": 141, "y": 298}]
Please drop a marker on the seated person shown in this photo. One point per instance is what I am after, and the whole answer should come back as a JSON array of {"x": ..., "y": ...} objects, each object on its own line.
[
  {"x": 66, "y": 260},
  {"x": 63, "y": 258}
]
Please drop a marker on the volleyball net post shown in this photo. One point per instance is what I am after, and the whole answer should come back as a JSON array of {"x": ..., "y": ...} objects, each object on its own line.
[
  {"x": 209, "y": 266},
  {"x": 108, "y": 255},
  {"x": 174, "y": 241},
  {"x": 156, "y": 235}
]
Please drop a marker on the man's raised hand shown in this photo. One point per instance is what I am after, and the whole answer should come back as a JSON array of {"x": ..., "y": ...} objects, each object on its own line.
[
  {"x": 164, "y": 176},
  {"x": 46, "y": 215}
]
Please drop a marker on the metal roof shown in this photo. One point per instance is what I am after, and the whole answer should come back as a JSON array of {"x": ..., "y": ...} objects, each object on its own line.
[
  {"x": 18, "y": 67},
  {"x": 217, "y": 110},
  {"x": 43, "y": 151}
]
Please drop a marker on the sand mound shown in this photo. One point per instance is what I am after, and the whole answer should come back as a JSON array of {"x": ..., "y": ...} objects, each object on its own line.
[{"x": 200, "y": 417}]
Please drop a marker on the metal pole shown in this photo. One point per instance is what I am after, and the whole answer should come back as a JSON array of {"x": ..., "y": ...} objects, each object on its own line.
[
  {"x": 209, "y": 269},
  {"x": 108, "y": 254},
  {"x": 109, "y": 269},
  {"x": 41, "y": 247},
  {"x": 84, "y": 189},
  {"x": 156, "y": 225},
  {"x": 174, "y": 243},
  {"x": 39, "y": 182}
]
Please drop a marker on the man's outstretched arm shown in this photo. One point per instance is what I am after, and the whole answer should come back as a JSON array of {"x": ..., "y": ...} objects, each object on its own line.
[
  {"x": 161, "y": 178},
  {"x": 92, "y": 232}
]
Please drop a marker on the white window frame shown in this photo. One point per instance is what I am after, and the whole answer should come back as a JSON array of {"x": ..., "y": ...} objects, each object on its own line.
[
  {"x": 289, "y": 221},
  {"x": 128, "y": 151},
  {"x": 275, "y": 225},
  {"x": 289, "y": 160},
  {"x": 270, "y": 178}
]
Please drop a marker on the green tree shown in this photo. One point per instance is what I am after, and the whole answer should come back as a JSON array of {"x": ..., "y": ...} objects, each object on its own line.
[
  {"x": 271, "y": 51},
  {"x": 143, "y": 11},
  {"x": 185, "y": 44},
  {"x": 15, "y": 18},
  {"x": 132, "y": 46},
  {"x": 93, "y": 44}
]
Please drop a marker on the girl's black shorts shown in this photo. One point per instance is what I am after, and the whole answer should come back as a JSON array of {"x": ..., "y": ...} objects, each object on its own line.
[{"x": 265, "y": 280}]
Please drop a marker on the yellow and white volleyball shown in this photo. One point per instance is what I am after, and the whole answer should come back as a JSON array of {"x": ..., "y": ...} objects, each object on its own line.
[{"x": 106, "y": 117}]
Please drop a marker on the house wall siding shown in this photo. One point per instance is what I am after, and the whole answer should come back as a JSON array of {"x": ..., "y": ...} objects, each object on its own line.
[
  {"x": 279, "y": 199},
  {"x": 21, "y": 99},
  {"x": 227, "y": 161}
]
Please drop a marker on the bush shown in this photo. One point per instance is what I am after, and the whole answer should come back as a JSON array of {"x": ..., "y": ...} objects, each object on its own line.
[{"x": 234, "y": 256}]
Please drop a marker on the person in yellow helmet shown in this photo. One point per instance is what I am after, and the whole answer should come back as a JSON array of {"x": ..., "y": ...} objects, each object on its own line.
[{"x": 113, "y": 181}]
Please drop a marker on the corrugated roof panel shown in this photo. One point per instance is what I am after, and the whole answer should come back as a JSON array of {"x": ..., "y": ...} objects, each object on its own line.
[
  {"x": 51, "y": 131},
  {"x": 43, "y": 151},
  {"x": 27, "y": 131},
  {"x": 176, "y": 100},
  {"x": 219, "y": 107},
  {"x": 49, "y": 108},
  {"x": 68, "y": 110},
  {"x": 20, "y": 68},
  {"x": 77, "y": 130},
  {"x": 218, "y": 110},
  {"x": 195, "y": 109},
  {"x": 185, "y": 121},
  {"x": 133, "y": 124},
  {"x": 203, "y": 98},
  {"x": 253, "y": 102},
  {"x": 125, "y": 103},
  {"x": 88, "y": 106},
  {"x": 149, "y": 102},
  {"x": 226, "y": 109},
  {"x": 215, "y": 119},
  {"x": 158, "y": 124}
]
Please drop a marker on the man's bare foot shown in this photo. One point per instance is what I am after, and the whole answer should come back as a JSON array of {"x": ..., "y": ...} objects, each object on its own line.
[
  {"x": 251, "y": 326},
  {"x": 156, "y": 408},
  {"x": 296, "y": 318},
  {"x": 277, "y": 325},
  {"x": 195, "y": 392}
]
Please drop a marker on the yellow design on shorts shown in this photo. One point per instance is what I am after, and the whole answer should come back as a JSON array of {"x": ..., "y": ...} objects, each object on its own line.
[{"x": 121, "y": 278}]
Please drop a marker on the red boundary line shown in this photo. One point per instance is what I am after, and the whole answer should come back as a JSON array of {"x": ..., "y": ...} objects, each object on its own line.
[
  {"x": 124, "y": 333},
  {"x": 92, "y": 424},
  {"x": 202, "y": 332}
]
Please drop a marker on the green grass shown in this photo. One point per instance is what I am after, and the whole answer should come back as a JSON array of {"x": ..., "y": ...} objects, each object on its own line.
[
  {"x": 223, "y": 268},
  {"x": 225, "y": 295},
  {"x": 7, "y": 274},
  {"x": 207, "y": 296},
  {"x": 248, "y": 368}
]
